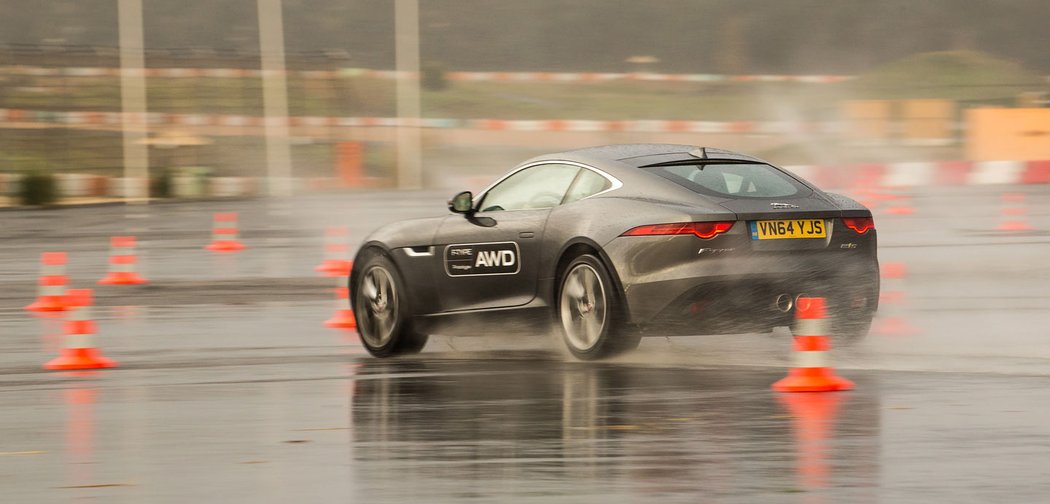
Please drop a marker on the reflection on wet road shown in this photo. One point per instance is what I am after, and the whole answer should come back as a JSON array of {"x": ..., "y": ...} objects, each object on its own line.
[
  {"x": 517, "y": 427},
  {"x": 526, "y": 429}
]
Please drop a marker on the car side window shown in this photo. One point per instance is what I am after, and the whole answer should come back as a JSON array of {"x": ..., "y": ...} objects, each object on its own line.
[
  {"x": 541, "y": 186},
  {"x": 588, "y": 183}
]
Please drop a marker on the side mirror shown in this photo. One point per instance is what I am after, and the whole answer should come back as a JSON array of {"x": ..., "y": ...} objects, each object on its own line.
[{"x": 462, "y": 203}]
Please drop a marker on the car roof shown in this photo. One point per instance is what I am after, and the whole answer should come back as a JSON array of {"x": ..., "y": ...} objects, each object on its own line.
[
  {"x": 623, "y": 160},
  {"x": 646, "y": 154}
]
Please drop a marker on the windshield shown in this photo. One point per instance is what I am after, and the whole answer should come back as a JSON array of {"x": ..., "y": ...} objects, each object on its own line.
[{"x": 738, "y": 180}]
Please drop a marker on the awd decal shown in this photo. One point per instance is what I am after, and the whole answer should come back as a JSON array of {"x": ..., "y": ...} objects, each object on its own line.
[{"x": 474, "y": 259}]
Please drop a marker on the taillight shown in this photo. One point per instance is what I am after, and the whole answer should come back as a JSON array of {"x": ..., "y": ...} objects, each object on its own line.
[
  {"x": 859, "y": 224},
  {"x": 703, "y": 230}
]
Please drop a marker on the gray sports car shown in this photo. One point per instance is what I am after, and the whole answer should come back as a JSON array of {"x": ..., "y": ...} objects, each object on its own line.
[{"x": 606, "y": 245}]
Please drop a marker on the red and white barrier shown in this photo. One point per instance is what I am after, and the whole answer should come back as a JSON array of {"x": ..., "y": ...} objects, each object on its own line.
[
  {"x": 225, "y": 187},
  {"x": 570, "y": 77},
  {"x": 888, "y": 175},
  {"x": 129, "y": 187},
  {"x": 924, "y": 173},
  {"x": 75, "y": 185}
]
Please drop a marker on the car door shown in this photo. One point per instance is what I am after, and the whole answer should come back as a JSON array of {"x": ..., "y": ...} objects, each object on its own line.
[{"x": 491, "y": 257}]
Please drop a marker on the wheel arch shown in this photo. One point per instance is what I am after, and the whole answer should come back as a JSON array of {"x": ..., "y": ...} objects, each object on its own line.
[
  {"x": 363, "y": 253},
  {"x": 406, "y": 339},
  {"x": 577, "y": 247}
]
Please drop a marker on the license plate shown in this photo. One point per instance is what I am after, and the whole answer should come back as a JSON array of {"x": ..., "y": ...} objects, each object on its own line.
[{"x": 788, "y": 228}]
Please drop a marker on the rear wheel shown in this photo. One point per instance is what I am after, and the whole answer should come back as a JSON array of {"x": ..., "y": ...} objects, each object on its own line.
[
  {"x": 851, "y": 316},
  {"x": 382, "y": 311},
  {"x": 851, "y": 329},
  {"x": 589, "y": 311}
]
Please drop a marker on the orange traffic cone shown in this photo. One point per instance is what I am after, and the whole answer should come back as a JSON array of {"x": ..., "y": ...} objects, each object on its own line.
[
  {"x": 812, "y": 372},
  {"x": 224, "y": 233},
  {"x": 1013, "y": 213},
  {"x": 122, "y": 261},
  {"x": 344, "y": 316},
  {"x": 51, "y": 295},
  {"x": 335, "y": 263},
  {"x": 892, "y": 297},
  {"x": 79, "y": 351}
]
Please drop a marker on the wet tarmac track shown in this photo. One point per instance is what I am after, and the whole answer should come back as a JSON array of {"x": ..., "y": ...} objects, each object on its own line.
[{"x": 230, "y": 390}]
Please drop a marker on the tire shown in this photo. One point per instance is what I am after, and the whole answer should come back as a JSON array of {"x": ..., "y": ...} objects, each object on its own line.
[
  {"x": 846, "y": 332},
  {"x": 846, "y": 325},
  {"x": 590, "y": 313},
  {"x": 852, "y": 315},
  {"x": 384, "y": 317}
]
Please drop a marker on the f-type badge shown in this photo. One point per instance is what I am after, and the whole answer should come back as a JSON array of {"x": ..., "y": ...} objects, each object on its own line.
[
  {"x": 714, "y": 251},
  {"x": 782, "y": 206},
  {"x": 474, "y": 259}
]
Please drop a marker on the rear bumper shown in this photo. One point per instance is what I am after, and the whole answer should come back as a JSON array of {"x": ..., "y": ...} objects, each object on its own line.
[
  {"x": 734, "y": 289},
  {"x": 743, "y": 303}
]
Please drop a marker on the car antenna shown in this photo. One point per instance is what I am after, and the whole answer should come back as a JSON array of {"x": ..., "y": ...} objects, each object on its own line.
[{"x": 700, "y": 153}]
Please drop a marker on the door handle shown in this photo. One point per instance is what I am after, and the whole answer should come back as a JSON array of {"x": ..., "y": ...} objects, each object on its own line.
[{"x": 526, "y": 234}]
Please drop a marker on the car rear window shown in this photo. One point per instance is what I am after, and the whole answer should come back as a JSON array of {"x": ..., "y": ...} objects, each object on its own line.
[{"x": 738, "y": 180}]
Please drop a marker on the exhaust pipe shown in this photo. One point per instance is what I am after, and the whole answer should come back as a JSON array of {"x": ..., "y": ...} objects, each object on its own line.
[{"x": 784, "y": 303}]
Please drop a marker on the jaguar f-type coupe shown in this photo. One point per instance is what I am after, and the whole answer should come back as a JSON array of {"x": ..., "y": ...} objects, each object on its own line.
[{"x": 605, "y": 245}]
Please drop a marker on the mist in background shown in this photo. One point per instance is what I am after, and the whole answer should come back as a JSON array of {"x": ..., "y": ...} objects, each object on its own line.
[
  {"x": 688, "y": 36},
  {"x": 799, "y": 82}
]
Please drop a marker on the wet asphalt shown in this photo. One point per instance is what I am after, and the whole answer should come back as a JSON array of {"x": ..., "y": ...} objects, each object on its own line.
[{"x": 231, "y": 390}]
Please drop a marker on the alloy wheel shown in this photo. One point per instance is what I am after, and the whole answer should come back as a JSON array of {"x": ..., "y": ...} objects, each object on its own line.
[{"x": 583, "y": 307}]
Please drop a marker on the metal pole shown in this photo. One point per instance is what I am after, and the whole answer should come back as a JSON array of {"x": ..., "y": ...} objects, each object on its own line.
[
  {"x": 133, "y": 101},
  {"x": 275, "y": 97},
  {"x": 409, "y": 141}
]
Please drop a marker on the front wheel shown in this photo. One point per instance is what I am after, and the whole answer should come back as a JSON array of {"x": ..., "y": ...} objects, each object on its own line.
[
  {"x": 382, "y": 311},
  {"x": 590, "y": 313}
]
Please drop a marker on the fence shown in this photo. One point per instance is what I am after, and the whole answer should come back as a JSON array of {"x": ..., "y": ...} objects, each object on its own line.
[{"x": 59, "y": 111}]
